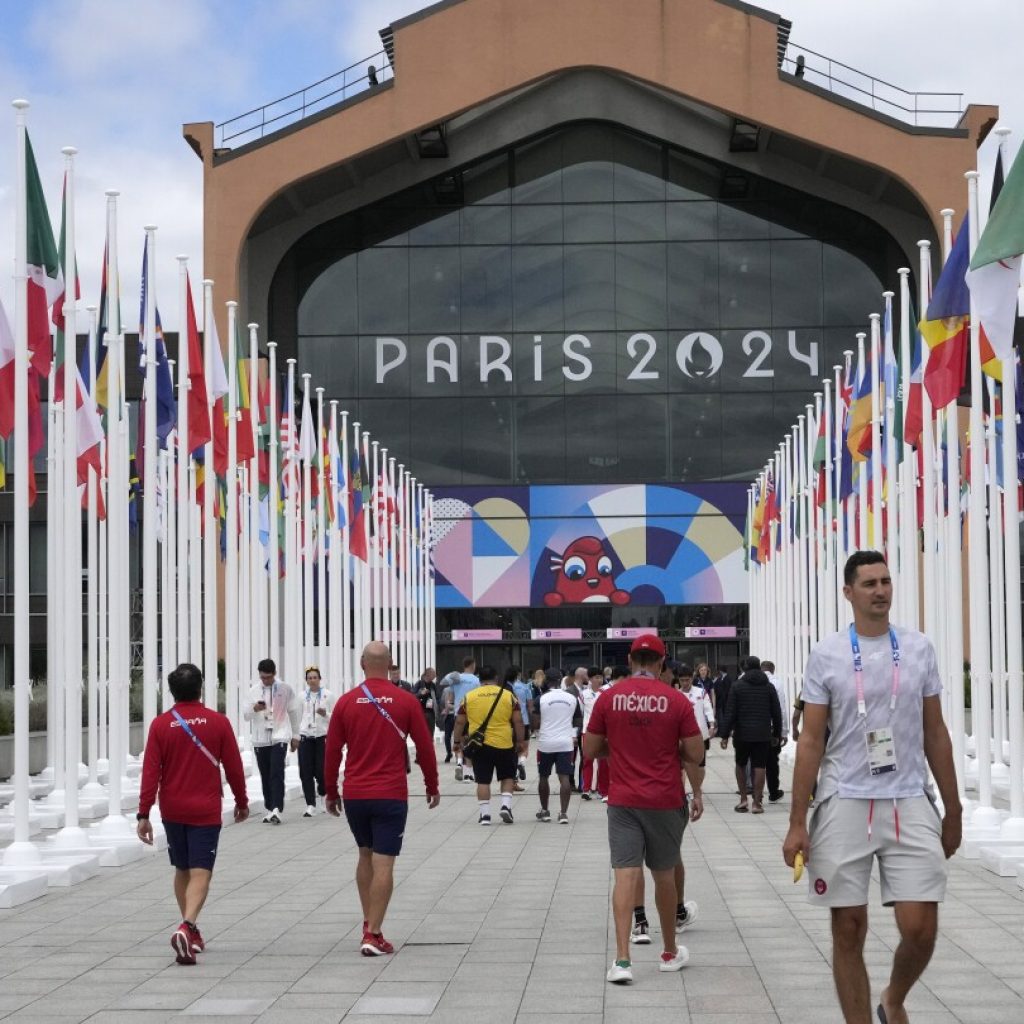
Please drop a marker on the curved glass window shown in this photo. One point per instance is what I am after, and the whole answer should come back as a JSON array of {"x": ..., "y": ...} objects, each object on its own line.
[{"x": 590, "y": 305}]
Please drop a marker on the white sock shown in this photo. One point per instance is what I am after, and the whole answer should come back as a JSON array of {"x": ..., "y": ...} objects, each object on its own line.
[
  {"x": 458, "y": 759},
  {"x": 522, "y": 759},
  {"x": 485, "y": 807},
  {"x": 506, "y": 801}
]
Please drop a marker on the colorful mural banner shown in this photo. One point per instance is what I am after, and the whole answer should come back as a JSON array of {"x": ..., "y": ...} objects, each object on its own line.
[{"x": 620, "y": 544}]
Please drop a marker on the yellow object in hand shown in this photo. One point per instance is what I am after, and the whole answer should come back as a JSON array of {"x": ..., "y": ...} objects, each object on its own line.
[{"x": 798, "y": 867}]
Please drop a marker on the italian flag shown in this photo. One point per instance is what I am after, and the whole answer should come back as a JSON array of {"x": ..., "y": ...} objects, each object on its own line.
[{"x": 45, "y": 278}]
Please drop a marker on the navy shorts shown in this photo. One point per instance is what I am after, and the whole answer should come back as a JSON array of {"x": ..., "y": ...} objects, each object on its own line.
[
  {"x": 378, "y": 825},
  {"x": 192, "y": 846},
  {"x": 561, "y": 761}
]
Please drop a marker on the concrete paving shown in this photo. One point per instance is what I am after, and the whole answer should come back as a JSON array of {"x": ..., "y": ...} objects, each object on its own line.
[{"x": 493, "y": 925}]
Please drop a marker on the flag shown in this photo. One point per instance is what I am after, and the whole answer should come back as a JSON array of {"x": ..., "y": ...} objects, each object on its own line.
[
  {"x": 944, "y": 326},
  {"x": 339, "y": 483},
  {"x": 219, "y": 388},
  {"x": 357, "y": 534},
  {"x": 843, "y": 456},
  {"x": 819, "y": 460},
  {"x": 858, "y": 438},
  {"x": 98, "y": 374},
  {"x": 166, "y": 403},
  {"x": 57, "y": 312},
  {"x": 45, "y": 278},
  {"x": 764, "y": 543},
  {"x": 244, "y": 448},
  {"x": 913, "y": 406},
  {"x": 892, "y": 399},
  {"x": 6, "y": 375},
  {"x": 3, "y": 463},
  {"x": 994, "y": 275},
  {"x": 199, "y": 432}
]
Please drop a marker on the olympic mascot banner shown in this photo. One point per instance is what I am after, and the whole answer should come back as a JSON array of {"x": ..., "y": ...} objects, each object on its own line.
[{"x": 639, "y": 544}]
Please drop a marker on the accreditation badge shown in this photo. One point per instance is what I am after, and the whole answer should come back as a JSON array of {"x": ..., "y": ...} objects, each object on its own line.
[{"x": 881, "y": 751}]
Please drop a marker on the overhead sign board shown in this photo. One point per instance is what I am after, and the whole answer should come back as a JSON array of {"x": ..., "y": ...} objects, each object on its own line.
[{"x": 710, "y": 632}]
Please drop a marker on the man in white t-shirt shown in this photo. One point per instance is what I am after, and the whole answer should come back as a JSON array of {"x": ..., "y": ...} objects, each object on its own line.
[
  {"x": 876, "y": 688},
  {"x": 593, "y": 774},
  {"x": 557, "y": 719}
]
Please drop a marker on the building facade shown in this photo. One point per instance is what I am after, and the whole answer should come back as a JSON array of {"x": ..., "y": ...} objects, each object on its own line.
[{"x": 581, "y": 287}]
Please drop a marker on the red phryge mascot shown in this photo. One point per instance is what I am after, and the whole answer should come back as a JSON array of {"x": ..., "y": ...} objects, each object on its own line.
[{"x": 584, "y": 576}]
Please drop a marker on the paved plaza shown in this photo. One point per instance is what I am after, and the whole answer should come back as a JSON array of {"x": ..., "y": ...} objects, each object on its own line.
[{"x": 492, "y": 926}]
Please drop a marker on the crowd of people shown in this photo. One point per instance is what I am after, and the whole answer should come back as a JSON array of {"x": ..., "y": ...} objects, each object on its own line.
[{"x": 635, "y": 737}]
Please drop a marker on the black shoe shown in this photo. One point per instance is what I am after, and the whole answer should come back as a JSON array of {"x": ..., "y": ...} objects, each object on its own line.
[
  {"x": 506, "y": 815},
  {"x": 775, "y": 797},
  {"x": 585, "y": 795},
  {"x": 448, "y": 759},
  {"x": 521, "y": 773}
]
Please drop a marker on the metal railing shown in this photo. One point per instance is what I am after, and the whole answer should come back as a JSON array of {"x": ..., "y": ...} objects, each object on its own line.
[
  {"x": 296, "y": 106},
  {"x": 923, "y": 109}
]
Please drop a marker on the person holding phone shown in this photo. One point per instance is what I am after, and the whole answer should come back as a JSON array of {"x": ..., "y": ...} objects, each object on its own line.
[{"x": 273, "y": 712}]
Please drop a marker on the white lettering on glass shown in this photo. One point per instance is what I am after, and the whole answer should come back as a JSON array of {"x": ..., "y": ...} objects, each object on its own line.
[
  {"x": 384, "y": 368},
  {"x": 640, "y": 371},
  {"x": 754, "y": 369},
  {"x": 810, "y": 360},
  {"x": 435, "y": 362},
  {"x": 487, "y": 364},
  {"x": 586, "y": 367}
]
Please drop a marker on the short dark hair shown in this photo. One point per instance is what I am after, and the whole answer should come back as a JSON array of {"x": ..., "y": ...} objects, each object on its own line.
[
  {"x": 186, "y": 682},
  {"x": 468, "y": 662},
  {"x": 487, "y": 673},
  {"x": 767, "y": 666},
  {"x": 595, "y": 670},
  {"x": 267, "y": 665},
  {"x": 682, "y": 669},
  {"x": 620, "y": 672},
  {"x": 856, "y": 560},
  {"x": 511, "y": 673},
  {"x": 751, "y": 661}
]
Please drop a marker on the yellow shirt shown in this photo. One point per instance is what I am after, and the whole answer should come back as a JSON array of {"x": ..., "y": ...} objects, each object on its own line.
[{"x": 499, "y": 729}]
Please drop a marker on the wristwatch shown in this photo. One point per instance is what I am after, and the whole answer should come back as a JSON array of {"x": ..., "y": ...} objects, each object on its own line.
[{"x": 142, "y": 817}]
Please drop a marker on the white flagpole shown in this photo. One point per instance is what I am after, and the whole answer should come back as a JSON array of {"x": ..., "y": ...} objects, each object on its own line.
[
  {"x": 876, "y": 539},
  {"x": 432, "y": 603},
  {"x": 232, "y": 611},
  {"x": 359, "y": 593},
  {"x": 391, "y": 561},
  {"x": 274, "y": 571},
  {"x": 150, "y": 661},
  {"x": 195, "y": 554},
  {"x": 996, "y": 591},
  {"x": 345, "y": 597},
  {"x": 377, "y": 607},
  {"x": 184, "y": 459},
  {"x": 71, "y": 563},
  {"x": 209, "y": 531},
  {"x": 336, "y": 645},
  {"x": 103, "y": 603},
  {"x": 985, "y": 816},
  {"x": 892, "y": 533},
  {"x": 420, "y": 590},
  {"x": 55, "y": 597},
  {"x": 907, "y": 472},
  {"x": 294, "y": 639},
  {"x": 411, "y": 654},
  {"x": 827, "y": 582},
  {"x": 840, "y": 506},
  {"x": 92, "y": 788},
  {"x": 244, "y": 624},
  {"x": 928, "y": 485},
  {"x": 306, "y": 534},
  {"x": 257, "y": 578},
  {"x": 1013, "y": 826},
  {"x": 863, "y": 539},
  {"x": 369, "y": 582},
  {"x": 168, "y": 618},
  {"x": 321, "y": 547}
]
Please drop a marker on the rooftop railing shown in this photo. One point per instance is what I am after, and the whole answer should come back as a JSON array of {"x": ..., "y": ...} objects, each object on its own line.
[
  {"x": 296, "y": 106},
  {"x": 922, "y": 109}
]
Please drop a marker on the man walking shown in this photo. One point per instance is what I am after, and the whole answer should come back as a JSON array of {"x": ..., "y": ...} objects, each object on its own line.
[
  {"x": 524, "y": 694},
  {"x": 468, "y": 680},
  {"x": 556, "y": 719},
  {"x": 648, "y": 729},
  {"x": 274, "y": 716},
  {"x": 877, "y": 688},
  {"x": 753, "y": 718},
  {"x": 426, "y": 694},
  {"x": 492, "y": 711},
  {"x": 446, "y": 702},
  {"x": 775, "y": 791},
  {"x": 185, "y": 750},
  {"x": 593, "y": 774},
  {"x": 317, "y": 705},
  {"x": 373, "y": 722}
]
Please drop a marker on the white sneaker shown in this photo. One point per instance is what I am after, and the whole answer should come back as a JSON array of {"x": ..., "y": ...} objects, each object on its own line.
[
  {"x": 689, "y": 916},
  {"x": 619, "y": 974},
  {"x": 468, "y": 778},
  {"x": 275, "y": 816},
  {"x": 639, "y": 935},
  {"x": 309, "y": 811},
  {"x": 267, "y": 818},
  {"x": 459, "y": 771},
  {"x": 604, "y": 799},
  {"x": 674, "y": 961}
]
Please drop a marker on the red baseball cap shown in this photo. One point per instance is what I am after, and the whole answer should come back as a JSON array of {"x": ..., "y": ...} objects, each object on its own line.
[{"x": 648, "y": 642}]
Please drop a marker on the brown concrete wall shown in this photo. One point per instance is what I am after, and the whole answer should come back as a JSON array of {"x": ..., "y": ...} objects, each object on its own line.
[{"x": 470, "y": 52}]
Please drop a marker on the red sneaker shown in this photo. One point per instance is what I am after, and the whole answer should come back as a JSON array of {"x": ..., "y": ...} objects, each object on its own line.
[
  {"x": 198, "y": 946},
  {"x": 181, "y": 943},
  {"x": 375, "y": 945}
]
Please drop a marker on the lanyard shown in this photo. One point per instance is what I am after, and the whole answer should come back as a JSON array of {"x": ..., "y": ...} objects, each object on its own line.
[
  {"x": 195, "y": 739},
  {"x": 387, "y": 717},
  {"x": 316, "y": 706},
  {"x": 858, "y": 670}
]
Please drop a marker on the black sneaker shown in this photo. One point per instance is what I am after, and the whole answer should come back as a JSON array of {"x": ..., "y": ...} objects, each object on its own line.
[
  {"x": 543, "y": 815},
  {"x": 585, "y": 795},
  {"x": 484, "y": 819},
  {"x": 776, "y": 797},
  {"x": 506, "y": 815},
  {"x": 521, "y": 773},
  {"x": 448, "y": 759}
]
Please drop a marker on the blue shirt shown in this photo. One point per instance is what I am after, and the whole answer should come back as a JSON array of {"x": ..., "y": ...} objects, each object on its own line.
[
  {"x": 523, "y": 692},
  {"x": 467, "y": 681}
]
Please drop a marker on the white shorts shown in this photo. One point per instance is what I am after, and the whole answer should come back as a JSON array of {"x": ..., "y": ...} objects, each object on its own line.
[{"x": 906, "y": 837}]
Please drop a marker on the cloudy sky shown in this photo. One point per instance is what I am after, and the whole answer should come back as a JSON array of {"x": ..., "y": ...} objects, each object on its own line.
[{"x": 118, "y": 78}]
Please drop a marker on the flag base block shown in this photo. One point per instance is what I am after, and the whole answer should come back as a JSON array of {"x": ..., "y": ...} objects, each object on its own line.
[
  {"x": 7, "y": 828},
  {"x": 20, "y": 885},
  {"x": 66, "y": 867},
  {"x": 1002, "y": 860}
]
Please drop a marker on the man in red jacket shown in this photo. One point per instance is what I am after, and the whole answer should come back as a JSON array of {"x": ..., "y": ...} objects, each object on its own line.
[
  {"x": 185, "y": 749},
  {"x": 373, "y": 720}
]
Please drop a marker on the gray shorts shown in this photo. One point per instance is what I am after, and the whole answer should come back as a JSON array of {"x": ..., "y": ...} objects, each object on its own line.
[
  {"x": 640, "y": 835},
  {"x": 911, "y": 866}
]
